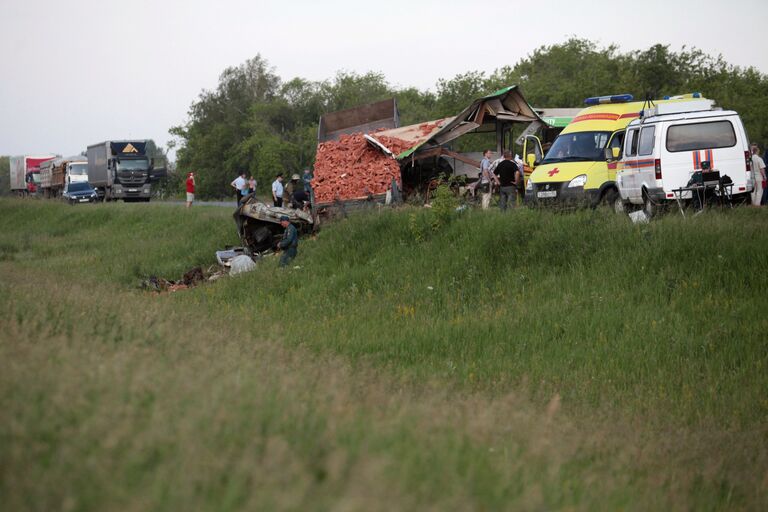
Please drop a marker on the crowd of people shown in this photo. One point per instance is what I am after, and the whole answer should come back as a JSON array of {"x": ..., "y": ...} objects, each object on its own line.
[
  {"x": 296, "y": 193},
  {"x": 507, "y": 175}
]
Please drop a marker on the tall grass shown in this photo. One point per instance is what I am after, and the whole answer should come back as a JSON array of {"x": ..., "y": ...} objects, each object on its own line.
[
  {"x": 528, "y": 360},
  {"x": 661, "y": 318}
]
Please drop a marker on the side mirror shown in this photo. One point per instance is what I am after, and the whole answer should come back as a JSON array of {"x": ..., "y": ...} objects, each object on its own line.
[
  {"x": 612, "y": 154},
  {"x": 531, "y": 160}
]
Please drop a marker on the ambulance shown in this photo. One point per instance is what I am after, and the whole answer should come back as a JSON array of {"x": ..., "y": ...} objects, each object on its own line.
[
  {"x": 671, "y": 142},
  {"x": 576, "y": 170}
]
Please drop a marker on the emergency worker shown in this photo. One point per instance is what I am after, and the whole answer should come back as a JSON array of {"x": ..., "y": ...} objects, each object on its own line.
[{"x": 289, "y": 243}]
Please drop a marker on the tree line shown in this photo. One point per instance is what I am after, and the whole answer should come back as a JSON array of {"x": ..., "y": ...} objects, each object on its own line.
[{"x": 257, "y": 122}]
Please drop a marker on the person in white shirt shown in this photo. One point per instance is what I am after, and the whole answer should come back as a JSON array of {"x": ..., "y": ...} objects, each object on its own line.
[
  {"x": 758, "y": 174},
  {"x": 487, "y": 179},
  {"x": 277, "y": 190},
  {"x": 239, "y": 184}
]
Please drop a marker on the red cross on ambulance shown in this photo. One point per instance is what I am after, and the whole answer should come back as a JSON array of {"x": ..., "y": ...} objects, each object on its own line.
[{"x": 553, "y": 172}]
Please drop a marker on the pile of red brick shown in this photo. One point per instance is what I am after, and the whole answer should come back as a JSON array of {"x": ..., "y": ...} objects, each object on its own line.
[
  {"x": 352, "y": 168},
  {"x": 427, "y": 128}
]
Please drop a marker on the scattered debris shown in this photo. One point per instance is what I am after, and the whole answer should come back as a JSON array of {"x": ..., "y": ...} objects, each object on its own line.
[
  {"x": 193, "y": 277},
  {"x": 639, "y": 217},
  {"x": 190, "y": 279},
  {"x": 241, "y": 264},
  {"x": 224, "y": 257}
]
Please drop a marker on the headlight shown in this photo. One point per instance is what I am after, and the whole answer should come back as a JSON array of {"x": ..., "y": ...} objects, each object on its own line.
[
  {"x": 529, "y": 185},
  {"x": 578, "y": 181}
]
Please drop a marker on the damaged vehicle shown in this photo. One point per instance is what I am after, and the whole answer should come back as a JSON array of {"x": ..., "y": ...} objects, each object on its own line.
[{"x": 258, "y": 224}]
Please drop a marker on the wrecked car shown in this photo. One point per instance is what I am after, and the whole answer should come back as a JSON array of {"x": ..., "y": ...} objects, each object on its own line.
[{"x": 258, "y": 224}]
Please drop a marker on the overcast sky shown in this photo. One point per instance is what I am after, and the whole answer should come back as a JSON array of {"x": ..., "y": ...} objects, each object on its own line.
[{"x": 76, "y": 72}]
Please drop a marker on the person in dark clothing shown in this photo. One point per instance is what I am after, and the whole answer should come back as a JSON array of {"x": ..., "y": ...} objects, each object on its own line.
[
  {"x": 289, "y": 243},
  {"x": 507, "y": 175},
  {"x": 307, "y": 180},
  {"x": 299, "y": 199}
]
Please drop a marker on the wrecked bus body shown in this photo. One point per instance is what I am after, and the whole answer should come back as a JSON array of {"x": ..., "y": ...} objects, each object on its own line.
[{"x": 258, "y": 224}]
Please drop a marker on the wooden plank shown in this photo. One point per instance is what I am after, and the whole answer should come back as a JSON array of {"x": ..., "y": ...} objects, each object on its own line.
[
  {"x": 461, "y": 158},
  {"x": 480, "y": 115},
  {"x": 456, "y": 132}
]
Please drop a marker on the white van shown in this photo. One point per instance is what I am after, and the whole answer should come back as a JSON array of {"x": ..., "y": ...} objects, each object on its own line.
[{"x": 668, "y": 144}]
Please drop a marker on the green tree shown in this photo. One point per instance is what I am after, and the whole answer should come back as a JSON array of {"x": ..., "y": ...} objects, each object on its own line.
[
  {"x": 254, "y": 121},
  {"x": 5, "y": 175}
]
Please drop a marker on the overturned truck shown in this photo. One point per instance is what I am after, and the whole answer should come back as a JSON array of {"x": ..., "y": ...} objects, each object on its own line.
[{"x": 369, "y": 164}]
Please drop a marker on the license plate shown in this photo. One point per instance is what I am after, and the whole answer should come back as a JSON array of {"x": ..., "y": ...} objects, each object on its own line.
[
  {"x": 547, "y": 193},
  {"x": 83, "y": 200},
  {"x": 133, "y": 190}
]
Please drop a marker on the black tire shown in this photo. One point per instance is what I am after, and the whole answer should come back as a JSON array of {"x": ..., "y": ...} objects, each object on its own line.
[
  {"x": 649, "y": 207},
  {"x": 612, "y": 199}
]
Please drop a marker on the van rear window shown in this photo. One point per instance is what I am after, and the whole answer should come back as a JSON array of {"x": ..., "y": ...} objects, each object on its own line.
[{"x": 690, "y": 137}]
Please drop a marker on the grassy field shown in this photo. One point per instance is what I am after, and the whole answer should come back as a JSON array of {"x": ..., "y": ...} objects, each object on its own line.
[{"x": 522, "y": 361}]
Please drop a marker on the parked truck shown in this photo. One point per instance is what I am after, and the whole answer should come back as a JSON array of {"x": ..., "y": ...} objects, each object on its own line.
[
  {"x": 25, "y": 173},
  {"x": 56, "y": 173},
  {"x": 121, "y": 169}
]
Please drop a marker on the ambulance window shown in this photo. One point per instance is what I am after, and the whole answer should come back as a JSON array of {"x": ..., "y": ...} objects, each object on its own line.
[
  {"x": 617, "y": 140},
  {"x": 646, "y": 140},
  {"x": 692, "y": 137},
  {"x": 632, "y": 143}
]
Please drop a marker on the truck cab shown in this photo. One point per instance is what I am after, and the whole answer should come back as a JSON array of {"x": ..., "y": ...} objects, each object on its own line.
[
  {"x": 121, "y": 170},
  {"x": 77, "y": 172}
]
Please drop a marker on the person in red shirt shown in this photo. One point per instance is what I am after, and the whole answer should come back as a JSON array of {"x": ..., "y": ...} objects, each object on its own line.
[{"x": 190, "y": 189}]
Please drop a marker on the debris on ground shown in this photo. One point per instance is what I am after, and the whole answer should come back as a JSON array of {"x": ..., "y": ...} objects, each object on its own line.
[
  {"x": 191, "y": 278},
  {"x": 227, "y": 255},
  {"x": 241, "y": 264},
  {"x": 639, "y": 217}
]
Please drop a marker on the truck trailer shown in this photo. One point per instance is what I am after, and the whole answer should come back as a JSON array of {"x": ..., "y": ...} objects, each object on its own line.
[
  {"x": 121, "y": 169},
  {"x": 25, "y": 173},
  {"x": 56, "y": 173}
]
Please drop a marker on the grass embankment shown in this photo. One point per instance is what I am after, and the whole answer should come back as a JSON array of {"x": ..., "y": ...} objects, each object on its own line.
[{"x": 531, "y": 360}]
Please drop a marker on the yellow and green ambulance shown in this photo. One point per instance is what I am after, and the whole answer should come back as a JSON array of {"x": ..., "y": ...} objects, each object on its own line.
[{"x": 580, "y": 167}]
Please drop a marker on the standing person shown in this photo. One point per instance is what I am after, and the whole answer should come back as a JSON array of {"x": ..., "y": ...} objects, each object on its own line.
[
  {"x": 758, "y": 174},
  {"x": 290, "y": 188},
  {"x": 277, "y": 190},
  {"x": 300, "y": 200},
  {"x": 487, "y": 179},
  {"x": 190, "y": 189},
  {"x": 307, "y": 180},
  {"x": 239, "y": 184},
  {"x": 520, "y": 179},
  {"x": 289, "y": 243},
  {"x": 507, "y": 177},
  {"x": 252, "y": 185}
]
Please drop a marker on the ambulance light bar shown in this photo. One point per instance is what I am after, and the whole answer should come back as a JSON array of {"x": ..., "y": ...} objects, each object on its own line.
[
  {"x": 689, "y": 96},
  {"x": 616, "y": 98}
]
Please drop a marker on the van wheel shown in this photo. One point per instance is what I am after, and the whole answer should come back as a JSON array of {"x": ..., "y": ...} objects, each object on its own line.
[
  {"x": 649, "y": 207},
  {"x": 612, "y": 198}
]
